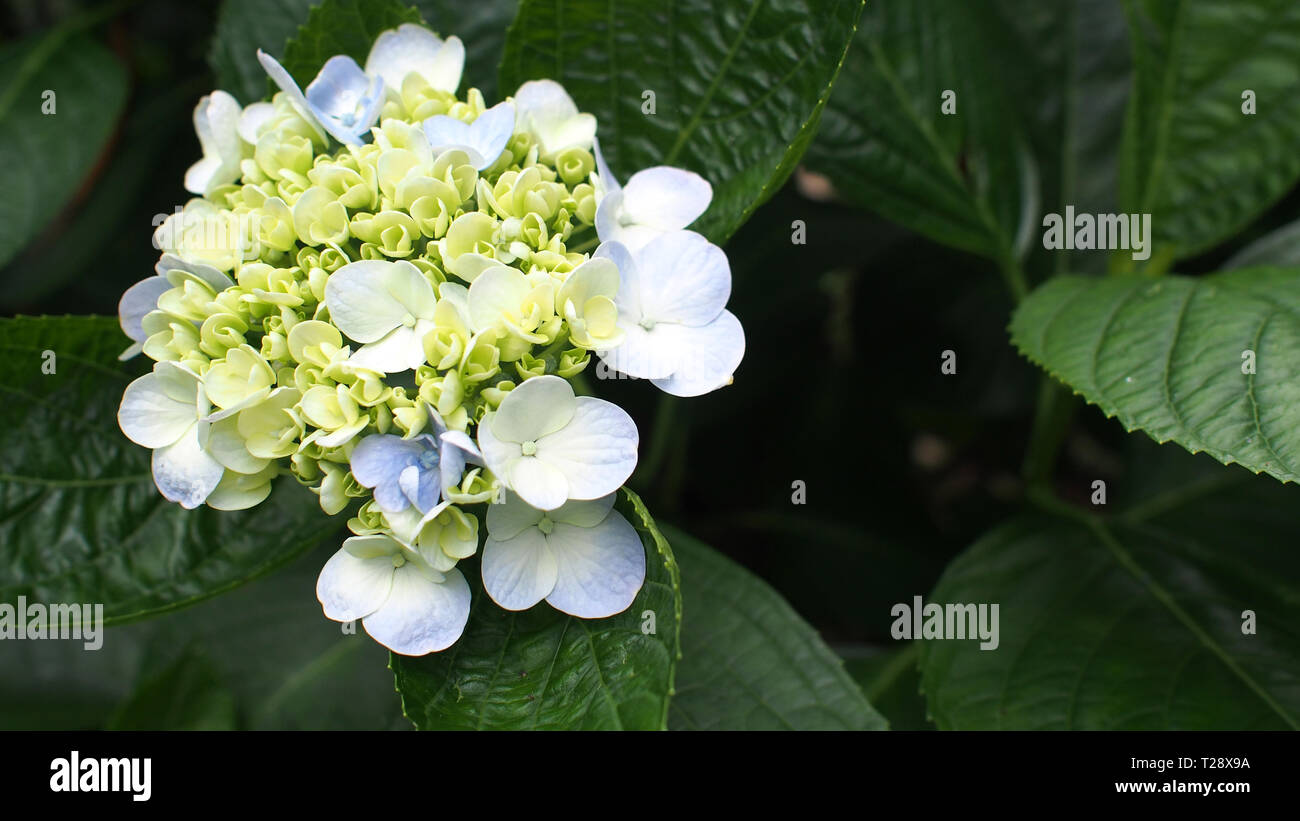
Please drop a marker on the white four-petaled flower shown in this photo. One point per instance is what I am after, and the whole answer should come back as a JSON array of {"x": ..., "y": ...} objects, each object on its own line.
[
  {"x": 164, "y": 410},
  {"x": 549, "y": 445},
  {"x": 671, "y": 299},
  {"x": 403, "y": 603},
  {"x": 386, "y": 306},
  {"x": 583, "y": 558}
]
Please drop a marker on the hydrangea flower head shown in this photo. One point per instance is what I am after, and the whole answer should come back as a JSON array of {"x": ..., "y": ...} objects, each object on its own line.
[{"x": 385, "y": 291}]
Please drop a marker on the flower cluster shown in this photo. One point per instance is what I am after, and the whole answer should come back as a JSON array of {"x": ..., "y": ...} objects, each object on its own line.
[{"x": 385, "y": 290}]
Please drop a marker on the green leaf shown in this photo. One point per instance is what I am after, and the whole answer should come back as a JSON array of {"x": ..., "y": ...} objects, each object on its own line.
[
  {"x": 347, "y": 27},
  {"x": 738, "y": 86},
  {"x": 266, "y": 645},
  {"x": 80, "y": 518},
  {"x": 1073, "y": 79},
  {"x": 244, "y": 26},
  {"x": 186, "y": 695},
  {"x": 1191, "y": 158},
  {"x": 1167, "y": 356},
  {"x": 542, "y": 669},
  {"x": 48, "y": 156},
  {"x": 1279, "y": 247},
  {"x": 1137, "y": 622},
  {"x": 966, "y": 179},
  {"x": 749, "y": 662}
]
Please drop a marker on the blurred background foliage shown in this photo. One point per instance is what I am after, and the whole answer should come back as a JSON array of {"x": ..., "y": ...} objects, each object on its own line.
[{"x": 840, "y": 389}]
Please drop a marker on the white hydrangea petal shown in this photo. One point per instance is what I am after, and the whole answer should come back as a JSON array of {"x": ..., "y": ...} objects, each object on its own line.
[
  {"x": 412, "y": 48},
  {"x": 482, "y": 141},
  {"x": 665, "y": 198},
  {"x": 497, "y": 454},
  {"x": 138, "y": 300},
  {"x": 600, "y": 569},
  {"x": 607, "y": 212},
  {"x": 492, "y": 130},
  {"x": 520, "y": 571},
  {"x": 575, "y": 132},
  {"x": 709, "y": 355},
  {"x": 546, "y": 109},
  {"x": 251, "y": 121},
  {"x": 608, "y": 182},
  {"x": 351, "y": 587},
  {"x": 150, "y": 417},
  {"x": 445, "y": 132},
  {"x": 641, "y": 354},
  {"x": 539, "y": 407},
  {"x": 684, "y": 278},
  {"x": 369, "y": 298},
  {"x": 583, "y": 512},
  {"x": 205, "y": 175},
  {"x": 545, "y": 97},
  {"x": 444, "y": 72},
  {"x": 596, "y": 452},
  {"x": 184, "y": 472},
  {"x": 538, "y": 483},
  {"x": 598, "y": 276},
  {"x": 216, "y": 122},
  {"x": 282, "y": 78},
  {"x": 629, "y": 288},
  {"x": 507, "y": 519},
  {"x": 402, "y": 349},
  {"x": 421, "y": 615},
  {"x": 345, "y": 100}
]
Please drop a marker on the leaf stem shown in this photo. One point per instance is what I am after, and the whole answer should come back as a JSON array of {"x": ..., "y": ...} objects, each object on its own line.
[
  {"x": 665, "y": 419},
  {"x": 1053, "y": 415}
]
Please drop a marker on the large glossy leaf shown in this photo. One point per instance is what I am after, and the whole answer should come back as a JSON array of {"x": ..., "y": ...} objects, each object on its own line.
[
  {"x": 244, "y": 26},
  {"x": 47, "y": 156},
  {"x": 738, "y": 85},
  {"x": 1073, "y": 81},
  {"x": 965, "y": 179},
  {"x": 1191, "y": 158},
  {"x": 749, "y": 661},
  {"x": 265, "y": 649},
  {"x": 80, "y": 518},
  {"x": 1170, "y": 356},
  {"x": 1138, "y": 622},
  {"x": 542, "y": 669}
]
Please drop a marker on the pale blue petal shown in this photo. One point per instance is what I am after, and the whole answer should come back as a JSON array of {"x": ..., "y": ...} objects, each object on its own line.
[{"x": 345, "y": 100}]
